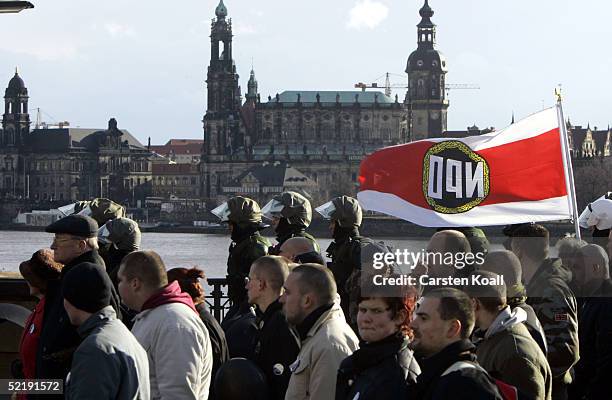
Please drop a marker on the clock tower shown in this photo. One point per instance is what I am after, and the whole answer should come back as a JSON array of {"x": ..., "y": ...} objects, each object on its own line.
[{"x": 426, "y": 96}]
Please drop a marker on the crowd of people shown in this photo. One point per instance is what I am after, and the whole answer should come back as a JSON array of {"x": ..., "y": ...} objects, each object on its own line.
[{"x": 113, "y": 322}]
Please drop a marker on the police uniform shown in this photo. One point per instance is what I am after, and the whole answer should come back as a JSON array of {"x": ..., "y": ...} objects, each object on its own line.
[{"x": 295, "y": 215}]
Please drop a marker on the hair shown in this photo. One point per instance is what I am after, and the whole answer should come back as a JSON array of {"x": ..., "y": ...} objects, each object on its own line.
[
  {"x": 189, "y": 281},
  {"x": 455, "y": 304},
  {"x": 273, "y": 269},
  {"x": 317, "y": 279},
  {"x": 92, "y": 243},
  {"x": 147, "y": 266},
  {"x": 533, "y": 239},
  {"x": 396, "y": 304},
  {"x": 568, "y": 247}
]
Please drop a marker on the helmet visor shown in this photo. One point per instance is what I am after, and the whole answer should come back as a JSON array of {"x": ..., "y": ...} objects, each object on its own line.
[
  {"x": 222, "y": 212},
  {"x": 86, "y": 212},
  {"x": 103, "y": 235},
  {"x": 273, "y": 209},
  {"x": 67, "y": 209},
  {"x": 326, "y": 210}
]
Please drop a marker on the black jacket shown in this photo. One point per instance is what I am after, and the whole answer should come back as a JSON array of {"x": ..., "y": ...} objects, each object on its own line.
[
  {"x": 58, "y": 338},
  {"x": 594, "y": 370},
  {"x": 464, "y": 384},
  {"x": 381, "y": 370},
  {"x": 276, "y": 349},
  {"x": 218, "y": 342}
]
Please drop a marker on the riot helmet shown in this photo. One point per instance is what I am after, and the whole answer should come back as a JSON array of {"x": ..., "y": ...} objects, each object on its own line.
[
  {"x": 292, "y": 206},
  {"x": 345, "y": 210}
]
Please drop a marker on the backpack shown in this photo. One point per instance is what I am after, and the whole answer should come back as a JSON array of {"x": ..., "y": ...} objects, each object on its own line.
[{"x": 507, "y": 391}]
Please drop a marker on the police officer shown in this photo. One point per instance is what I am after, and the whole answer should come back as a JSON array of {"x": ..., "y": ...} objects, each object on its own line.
[
  {"x": 345, "y": 217},
  {"x": 243, "y": 216},
  {"x": 120, "y": 236},
  {"x": 75, "y": 243},
  {"x": 291, "y": 214}
]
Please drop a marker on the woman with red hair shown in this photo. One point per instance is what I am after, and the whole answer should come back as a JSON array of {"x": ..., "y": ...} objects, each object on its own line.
[
  {"x": 383, "y": 367},
  {"x": 189, "y": 281}
]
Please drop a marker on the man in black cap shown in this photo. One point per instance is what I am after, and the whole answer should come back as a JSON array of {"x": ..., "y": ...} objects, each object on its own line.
[
  {"x": 109, "y": 363},
  {"x": 74, "y": 243}
]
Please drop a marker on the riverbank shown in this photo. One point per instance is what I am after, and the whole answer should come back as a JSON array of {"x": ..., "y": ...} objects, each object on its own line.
[{"x": 372, "y": 227}]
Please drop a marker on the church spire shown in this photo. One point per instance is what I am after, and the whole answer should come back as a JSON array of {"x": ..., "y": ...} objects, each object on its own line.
[
  {"x": 221, "y": 10},
  {"x": 426, "y": 28},
  {"x": 252, "y": 87}
]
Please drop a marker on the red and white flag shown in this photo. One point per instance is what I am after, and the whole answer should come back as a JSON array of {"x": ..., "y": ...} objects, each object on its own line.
[{"x": 510, "y": 176}]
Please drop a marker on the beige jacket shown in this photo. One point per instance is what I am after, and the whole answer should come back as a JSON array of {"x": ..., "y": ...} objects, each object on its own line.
[{"x": 314, "y": 373}]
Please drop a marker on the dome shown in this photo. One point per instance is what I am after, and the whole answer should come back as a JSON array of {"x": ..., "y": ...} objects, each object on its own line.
[
  {"x": 221, "y": 10},
  {"x": 16, "y": 83},
  {"x": 426, "y": 60}
]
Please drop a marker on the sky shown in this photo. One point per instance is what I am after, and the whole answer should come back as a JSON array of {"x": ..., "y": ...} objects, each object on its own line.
[{"x": 144, "y": 62}]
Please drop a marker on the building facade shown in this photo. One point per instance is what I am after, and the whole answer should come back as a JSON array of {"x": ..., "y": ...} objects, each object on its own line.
[{"x": 67, "y": 164}]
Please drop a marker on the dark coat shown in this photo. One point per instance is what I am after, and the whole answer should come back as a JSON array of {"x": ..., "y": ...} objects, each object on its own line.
[
  {"x": 217, "y": 341},
  {"x": 109, "y": 363},
  {"x": 554, "y": 303},
  {"x": 242, "y": 253},
  {"x": 59, "y": 339},
  {"x": 464, "y": 384},
  {"x": 276, "y": 349},
  {"x": 381, "y": 370},
  {"x": 594, "y": 370}
]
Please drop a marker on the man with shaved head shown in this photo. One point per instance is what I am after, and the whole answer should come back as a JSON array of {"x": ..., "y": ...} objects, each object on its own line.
[
  {"x": 300, "y": 250},
  {"x": 168, "y": 327},
  {"x": 276, "y": 346},
  {"x": 594, "y": 369},
  {"x": 326, "y": 339},
  {"x": 506, "y": 264}
]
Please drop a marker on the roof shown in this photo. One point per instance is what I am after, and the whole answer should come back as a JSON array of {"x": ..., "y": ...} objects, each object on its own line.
[
  {"x": 578, "y": 136},
  {"x": 276, "y": 174},
  {"x": 60, "y": 139},
  {"x": 601, "y": 138},
  {"x": 185, "y": 149},
  {"x": 181, "y": 142},
  {"x": 346, "y": 97}
]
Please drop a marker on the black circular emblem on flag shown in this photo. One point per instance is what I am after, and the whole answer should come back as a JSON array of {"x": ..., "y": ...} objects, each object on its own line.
[{"x": 455, "y": 178}]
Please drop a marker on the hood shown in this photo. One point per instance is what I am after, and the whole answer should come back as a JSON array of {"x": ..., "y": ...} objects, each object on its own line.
[
  {"x": 169, "y": 294},
  {"x": 507, "y": 318}
]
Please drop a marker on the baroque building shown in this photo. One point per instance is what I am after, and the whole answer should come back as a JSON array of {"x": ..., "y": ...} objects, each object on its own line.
[
  {"x": 67, "y": 164},
  {"x": 322, "y": 135}
]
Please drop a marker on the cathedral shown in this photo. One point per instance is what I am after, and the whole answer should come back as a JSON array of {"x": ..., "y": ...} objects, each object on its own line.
[{"x": 320, "y": 135}]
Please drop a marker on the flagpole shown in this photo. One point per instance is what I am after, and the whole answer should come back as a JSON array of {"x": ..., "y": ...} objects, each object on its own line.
[{"x": 567, "y": 161}]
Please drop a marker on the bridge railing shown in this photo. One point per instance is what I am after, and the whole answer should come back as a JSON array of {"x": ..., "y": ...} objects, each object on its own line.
[{"x": 217, "y": 300}]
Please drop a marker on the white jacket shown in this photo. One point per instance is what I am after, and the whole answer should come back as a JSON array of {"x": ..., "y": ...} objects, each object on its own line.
[
  {"x": 179, "y": 351},
  {"x": 314, "y": 373}
]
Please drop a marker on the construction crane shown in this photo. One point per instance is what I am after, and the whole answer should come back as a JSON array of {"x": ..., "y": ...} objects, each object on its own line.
[
  {"x": 45, "y": 125},
  {"x": 388, "y": 86}
]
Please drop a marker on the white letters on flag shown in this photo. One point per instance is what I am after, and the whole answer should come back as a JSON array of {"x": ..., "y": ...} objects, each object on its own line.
[{"x": 510, "y": 176}]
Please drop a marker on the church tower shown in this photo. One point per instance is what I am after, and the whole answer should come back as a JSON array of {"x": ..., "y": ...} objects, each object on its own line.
[
  {"x": 251, "y": 95},
  {"x": 16, "y": 120},
  {"x": 221, "y": 122},
  {"x": 426, "y": 97}
]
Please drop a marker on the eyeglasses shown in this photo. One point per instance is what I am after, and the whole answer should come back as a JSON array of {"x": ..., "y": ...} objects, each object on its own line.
[
  {"x": 58, "y": 241},
  {"x": 375, "y": 311}
]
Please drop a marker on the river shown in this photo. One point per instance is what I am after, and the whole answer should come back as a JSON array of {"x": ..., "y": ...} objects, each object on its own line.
[{"x": 206, "y": 251}]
